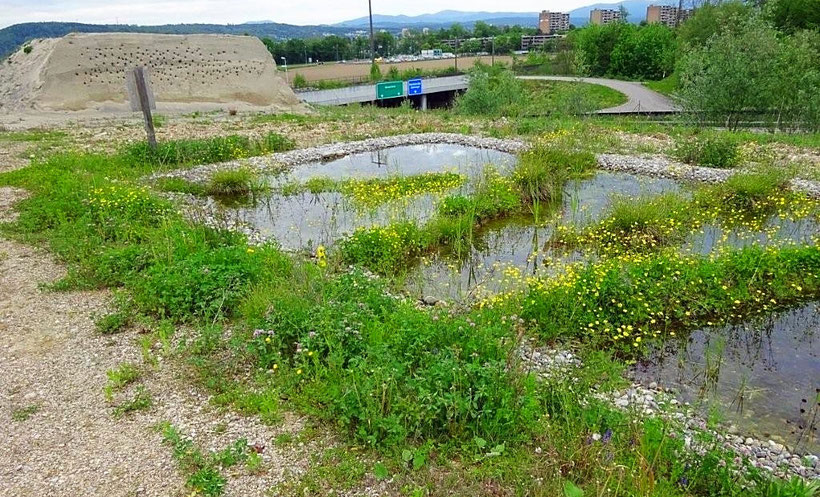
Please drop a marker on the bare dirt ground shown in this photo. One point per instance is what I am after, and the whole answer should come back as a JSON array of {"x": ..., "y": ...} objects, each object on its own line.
[
  {"x": 60, "y": 437},
  {"x": 350, "y": 70}
]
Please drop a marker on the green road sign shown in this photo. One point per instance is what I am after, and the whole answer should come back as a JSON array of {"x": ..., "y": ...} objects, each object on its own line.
[{"x": 390, "y": 89}]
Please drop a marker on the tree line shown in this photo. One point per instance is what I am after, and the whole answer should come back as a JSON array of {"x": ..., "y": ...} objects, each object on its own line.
[{"x": 335, "y": 48}]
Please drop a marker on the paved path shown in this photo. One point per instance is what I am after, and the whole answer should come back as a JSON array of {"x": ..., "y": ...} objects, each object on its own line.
[{"x": 641, "y": 98}]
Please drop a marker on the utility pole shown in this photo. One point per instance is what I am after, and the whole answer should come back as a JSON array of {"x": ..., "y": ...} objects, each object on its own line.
[
  {"x": 680, "y": 10},
  {"x": 372, "y": 43},
  {"x": 492, "y": 57}
]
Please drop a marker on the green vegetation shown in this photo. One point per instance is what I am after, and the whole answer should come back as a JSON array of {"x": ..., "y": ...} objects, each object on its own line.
[
  {"x": 23, "y": 413},
  {"x": 203, "y": 470},
  {"x": 712, "y": 150},
  {"x": 495, "y": 92},
  {"x": 120, "y": 377},
  {"x": 141, "y": 401},
  {"x": 203, "y": 151},
  {"x": 752, "y": 69},
  {"x": 437, "y": 399},
  {"x": 180, "y": 185},
  {"x": 667, "y": 86},
  {"x": 370, "y": 193},
  {"x": 624, "y": 50},
  {"x": 234, "y": 182},
  {"x": 630, "y": 300}
]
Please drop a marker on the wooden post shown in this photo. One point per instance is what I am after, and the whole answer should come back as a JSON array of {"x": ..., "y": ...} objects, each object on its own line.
[{"x": 145, "y": 105}]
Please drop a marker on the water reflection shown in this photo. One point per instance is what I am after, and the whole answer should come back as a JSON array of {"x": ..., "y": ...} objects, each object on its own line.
[{"x": 765, "y": 374}]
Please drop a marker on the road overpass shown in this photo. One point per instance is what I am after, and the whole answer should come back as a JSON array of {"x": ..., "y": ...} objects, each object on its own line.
[{"x": 367, "y": 93}]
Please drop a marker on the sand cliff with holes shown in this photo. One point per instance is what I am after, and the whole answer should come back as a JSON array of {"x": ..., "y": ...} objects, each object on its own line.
[{"x": 87, "y": 72}]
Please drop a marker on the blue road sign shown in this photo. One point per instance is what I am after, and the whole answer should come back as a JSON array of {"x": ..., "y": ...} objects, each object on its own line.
[{"x": 414, "y": 87}]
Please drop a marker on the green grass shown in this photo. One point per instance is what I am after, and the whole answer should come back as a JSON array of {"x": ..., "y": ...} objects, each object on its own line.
[
  {"x": 33, "y": 135},
  {"x": 203, "y": 476},
  {"x": 568, "y": 98},
  {"x": 191, "y": 152},
  {"x": 666, "y": 86},
  {"x": 434, "y": 395},
  {"x": 179, "y": 185},
  {"x": 24, "y": 413},
  {"x": 234, "y": 182},
  {"x": 141, "y": 401},
  {"x": 121, "y": 376}
]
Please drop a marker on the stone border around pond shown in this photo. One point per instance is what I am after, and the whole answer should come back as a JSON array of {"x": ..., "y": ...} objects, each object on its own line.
[
  {"x": 658, "y": 166},
  {"x": 287, "y": 160}
]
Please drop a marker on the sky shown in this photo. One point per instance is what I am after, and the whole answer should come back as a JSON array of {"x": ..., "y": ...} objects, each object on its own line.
[{"x": 239, "y": 11}]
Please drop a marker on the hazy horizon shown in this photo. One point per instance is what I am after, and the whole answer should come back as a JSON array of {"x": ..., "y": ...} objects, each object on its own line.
[{"x": 300, "y": 12}]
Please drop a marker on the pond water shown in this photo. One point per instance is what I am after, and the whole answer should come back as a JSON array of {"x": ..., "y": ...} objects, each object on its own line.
[
  {"x": 768, "y": 371},
  {"x": 763, "y": 375},
  {"x": 500, "y": 252},
  {"x": 306, "y": 220}
]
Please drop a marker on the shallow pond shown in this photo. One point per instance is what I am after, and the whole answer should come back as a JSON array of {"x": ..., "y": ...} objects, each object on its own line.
[
  {"x": 306, "y": 220},
  {"x": 763, "y": 375},
  {"x": 501, "y": 252},
  {"x": 768, "y": 371}
]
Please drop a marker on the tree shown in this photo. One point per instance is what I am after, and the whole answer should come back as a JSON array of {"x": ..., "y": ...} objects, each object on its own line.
[
  {"x": 732, "y": 73},
  {"x": 711, "y": 20},
  {"x": 793, "y": 15}
]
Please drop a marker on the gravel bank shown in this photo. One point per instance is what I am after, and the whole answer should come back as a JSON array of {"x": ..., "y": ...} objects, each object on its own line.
[
  {"x": 654, "y": 401},
  {"x": 662, "y": 167}
]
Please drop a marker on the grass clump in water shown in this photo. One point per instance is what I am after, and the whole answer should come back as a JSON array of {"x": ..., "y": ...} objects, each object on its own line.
[
  {"x": 634, "y": 224},
  {"x": 234, "y": 182},
  {"x": 543, "y": 171}
]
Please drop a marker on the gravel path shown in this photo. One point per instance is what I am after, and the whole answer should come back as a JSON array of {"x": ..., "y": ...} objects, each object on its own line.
[
  {"x": 59, "y": 435},
  {"x": 640, "y": 98}
]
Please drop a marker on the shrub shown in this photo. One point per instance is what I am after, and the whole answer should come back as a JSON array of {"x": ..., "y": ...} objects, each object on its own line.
[
  {"x": 492, "y": 91},
  {"x": 27, "y": 49},
  {"x": 375, "y": 72},
  {"x": 713, "y": 150},
  {"x": 299, "y": 81}
]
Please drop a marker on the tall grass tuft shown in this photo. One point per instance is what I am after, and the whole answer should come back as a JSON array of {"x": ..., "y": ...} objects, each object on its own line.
[
  {"x": 234, "y": 182},
  {"x": 543, "y": 171}
]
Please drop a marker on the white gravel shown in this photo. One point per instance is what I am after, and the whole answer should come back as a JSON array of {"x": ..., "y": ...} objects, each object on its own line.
[{"x": 659, "y": 166}]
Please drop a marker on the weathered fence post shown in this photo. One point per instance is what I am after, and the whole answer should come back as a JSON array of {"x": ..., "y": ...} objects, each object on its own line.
[{"x": 141, "y": 98}]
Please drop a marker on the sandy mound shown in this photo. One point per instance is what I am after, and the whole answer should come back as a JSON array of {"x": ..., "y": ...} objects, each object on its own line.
[{"x": 188, "y": 72}]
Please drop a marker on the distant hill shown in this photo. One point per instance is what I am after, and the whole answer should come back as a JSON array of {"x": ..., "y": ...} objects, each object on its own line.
[
  {"x": 14, "y": 36},
  {"x": 579, "y": 16}
]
